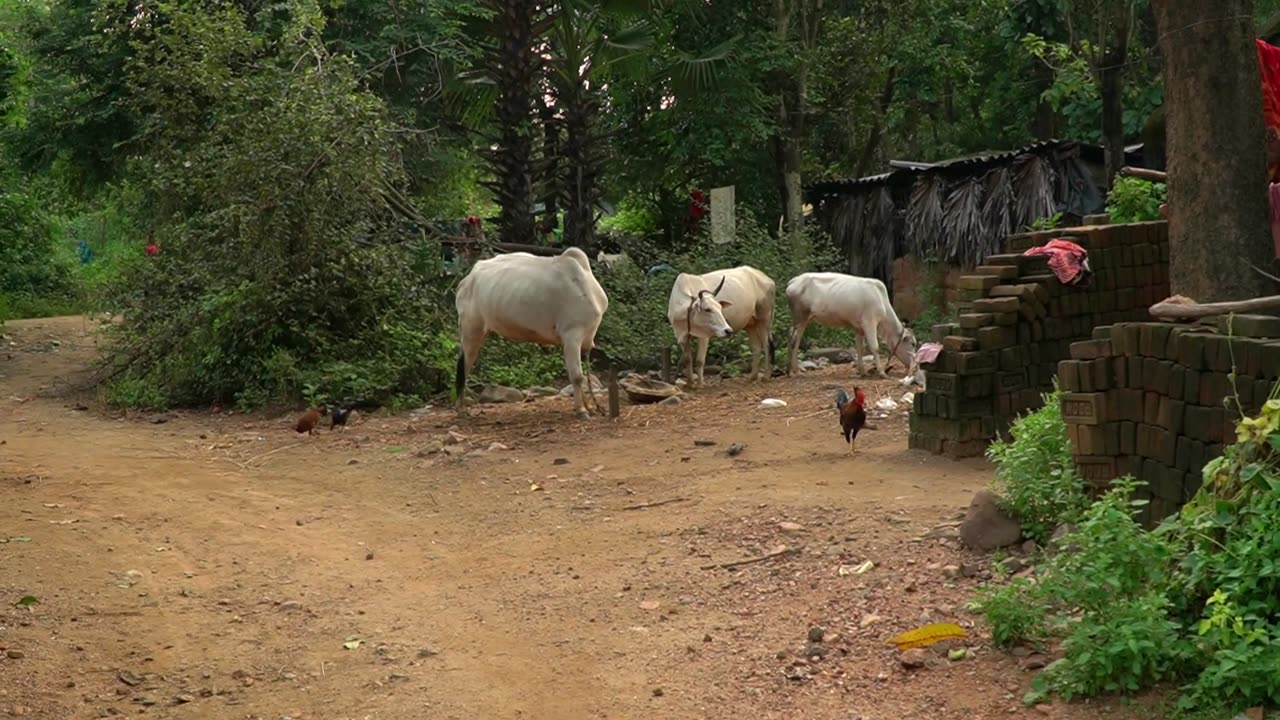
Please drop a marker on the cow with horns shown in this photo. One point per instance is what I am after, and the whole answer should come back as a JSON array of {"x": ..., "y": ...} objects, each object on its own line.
[{"x": 741, "y": 299}]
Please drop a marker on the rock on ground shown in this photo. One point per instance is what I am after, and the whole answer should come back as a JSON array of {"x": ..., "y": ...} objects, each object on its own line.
[
  {"x": 500, "y": 394},
  {"x": 987, "y": 527}
]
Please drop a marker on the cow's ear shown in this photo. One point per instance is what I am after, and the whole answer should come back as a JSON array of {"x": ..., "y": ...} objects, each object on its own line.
[{"x": 725, "y": 304}]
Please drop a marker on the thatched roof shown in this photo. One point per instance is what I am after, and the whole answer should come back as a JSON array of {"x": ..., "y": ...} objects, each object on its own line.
[{"x": 958, "y": 210}]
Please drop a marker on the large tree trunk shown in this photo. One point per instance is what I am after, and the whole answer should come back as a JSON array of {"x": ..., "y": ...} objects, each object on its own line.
[
  {"x": 583, "y": 164},
  {"x": 789, "y": 117},
  {"x": 1044, "y": 125},
  {"x": 1111, "y": 75},
  {"x": 549, "y": 175},
  {"x": 511, "y": 162},
  {"x": 1218, "y": 216}
]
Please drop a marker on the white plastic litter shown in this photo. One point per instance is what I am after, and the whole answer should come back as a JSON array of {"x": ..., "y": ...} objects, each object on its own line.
[
  {"x": 907, "y": 398},
  {"x": 886, "y": 404},
  {"x": 772, "y": 403}
]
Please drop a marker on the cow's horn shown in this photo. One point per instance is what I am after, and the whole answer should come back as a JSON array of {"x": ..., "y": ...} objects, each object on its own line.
[{"x": 718, "y": 287}]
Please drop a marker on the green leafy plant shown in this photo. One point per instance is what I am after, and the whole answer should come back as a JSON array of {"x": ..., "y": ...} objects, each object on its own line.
[
  {"x": 1035, "y": 473},
  {"x": 1135, "y": 200},
  {"x": 1047, "y": 223},
  {"x": 1196, "y": 600}
]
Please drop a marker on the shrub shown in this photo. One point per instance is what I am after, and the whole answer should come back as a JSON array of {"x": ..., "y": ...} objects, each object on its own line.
[
  {"x": 281, "y": 268},
  {"x": 1035, "y": 474},
  {"x": 635, "y": 328},
  {"x": 1197, "y": 600},
  {"x": 1135, "y": 200},
  {"x": 35, "y": 276}
]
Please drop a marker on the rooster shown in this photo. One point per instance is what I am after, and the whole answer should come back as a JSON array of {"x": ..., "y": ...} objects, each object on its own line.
[{"x": 853, "y": 415}]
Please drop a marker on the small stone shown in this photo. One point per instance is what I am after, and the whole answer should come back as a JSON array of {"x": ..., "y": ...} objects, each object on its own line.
[
  {"x": 14, "y": 654},
  {"x": 298, "y": 522},
  {"x": 19, "y": 710},
  {"x": 913, "y": 659},
  {"x": 1035, "y": 661},
  {"x": 815, "y": 633},
  {"x": 1030, "y": 547},
  {"x": 958, "y": 654},
  {"x": 183, "y": 699},
  {"x": 560, "y": 461},
  {"x": 869, "y": 620},
  {"x": 289, "y": 606},
  {"x": 815, "y": 650},
  {"x": 427, "y": 652},
  {"x": 431, "y": 448},
  {"x": 1021, "y": 651},
  {"x": 368, "y": 554},
  {"x": 658, "y": 692},
  {"x": 706, "y": 638},
  {"x": 704, "y": 442},
  {"x": 649, "y": 604},
  {"x": 790, "y": 527},
  {"x": 735, "y": 449},
  {"x": 987, "y": 527},
  {"x": 353, "y": 461},
  {"x": 500, "y": 394},
  {"x": 673, "y": 400},
  {"x": 951, "y": 571},
  {"x": 1013, "y": 565}
]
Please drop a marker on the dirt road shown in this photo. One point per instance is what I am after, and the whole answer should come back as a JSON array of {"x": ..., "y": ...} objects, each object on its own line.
[{"x": 213, "y": 565}]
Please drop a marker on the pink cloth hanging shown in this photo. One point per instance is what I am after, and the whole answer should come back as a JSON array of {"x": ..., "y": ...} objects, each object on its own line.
[{"x": 1067, "y": 260}]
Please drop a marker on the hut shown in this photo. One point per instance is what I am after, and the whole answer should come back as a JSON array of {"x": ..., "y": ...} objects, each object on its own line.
[{"x": 952, "y": 214}]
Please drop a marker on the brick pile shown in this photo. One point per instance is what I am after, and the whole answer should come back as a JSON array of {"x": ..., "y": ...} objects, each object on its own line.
[
  {"x": 1017, "y": 322},
  {"x": 1158, "y": 400}
]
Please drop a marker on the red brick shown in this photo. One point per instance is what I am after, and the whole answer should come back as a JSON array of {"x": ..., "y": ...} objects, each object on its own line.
[
  {"x": 958, "y": 343},
  {"x": 1120, "y": 372},
  {"x": 1084, "y": 408},
  {"x": 1150, "y": 408},
  {"x": 1096, "y": 470},
  {"x": 1090, "y": 349},
  {"x": 1170, "y": 414},
  {"x": 1127, "y": 438}
]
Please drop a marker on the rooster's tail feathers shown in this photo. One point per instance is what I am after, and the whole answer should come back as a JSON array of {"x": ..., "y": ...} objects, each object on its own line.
[{"x": 842, "y": 398}]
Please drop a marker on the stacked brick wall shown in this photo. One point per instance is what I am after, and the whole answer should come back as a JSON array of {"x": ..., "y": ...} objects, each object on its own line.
[
  {"x": 1017, "y": 322},
  {"x": 1157, "y": 400}
]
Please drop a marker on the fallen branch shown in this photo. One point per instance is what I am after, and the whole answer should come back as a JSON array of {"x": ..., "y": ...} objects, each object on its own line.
[
  {"x": 647, "y": 505},
  {"x": 812, "y": 414},
  {"x": 752, "y": 561},
  {"x": 1180, "y": 308},
  {"x": 251, "y": 460},
  {"x": 1145, "y": 174}
]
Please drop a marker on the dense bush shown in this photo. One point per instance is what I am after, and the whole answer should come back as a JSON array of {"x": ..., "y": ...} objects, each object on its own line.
[
  {"x": 635, "y": 328},
  {"x": 1197, "y": 600},
  {"x": 282, "y": 271},
  {"x": 1035, "y": 475},
  {"x": 35, "y": 273},
  {"x": 1135, "y": 200}
]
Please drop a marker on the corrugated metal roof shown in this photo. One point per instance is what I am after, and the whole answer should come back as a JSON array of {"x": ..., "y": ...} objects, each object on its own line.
[{"x": 909, "y": 168}]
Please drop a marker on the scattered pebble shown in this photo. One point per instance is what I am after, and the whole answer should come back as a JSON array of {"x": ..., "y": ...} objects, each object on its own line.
[
  {"x": 14, "y": 654},
  {"x": 704, "y": 442},
  {"x": 815, "y": 633},
  {"x": 560, "y": 461},
  {"x": 658, "y": 692},
  {"x": 913, "y": 659},
  {"x": 790, "y": 527}
]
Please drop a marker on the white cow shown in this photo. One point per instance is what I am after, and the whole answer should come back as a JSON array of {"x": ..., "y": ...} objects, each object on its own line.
[
  {"x": 526, "y": 298},
  {"x": 844, "y": 301},
  {"x": 717, "y": 304}
]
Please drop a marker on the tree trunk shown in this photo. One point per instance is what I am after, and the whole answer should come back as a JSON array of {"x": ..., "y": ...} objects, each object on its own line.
[
  {"x": 1218, "y": 208},
  {"x": 1044, "y": 125},
  {"x": 512, "y": 160},
  {"x": 1111, "y": 76},
  {"x": 875, "y": 134},
  {"x": 789, "y": 135},
  {"x": 549, "y": 177},
  {"x": 582, "y": 165}
]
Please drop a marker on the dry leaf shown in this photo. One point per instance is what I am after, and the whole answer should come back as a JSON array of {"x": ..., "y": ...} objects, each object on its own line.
[{"x": 928, "y": 635}]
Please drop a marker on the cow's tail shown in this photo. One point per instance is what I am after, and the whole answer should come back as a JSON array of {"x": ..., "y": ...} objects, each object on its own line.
[
  {"x": 460, "y": 377},
  {"x": 773, "y": 352}
]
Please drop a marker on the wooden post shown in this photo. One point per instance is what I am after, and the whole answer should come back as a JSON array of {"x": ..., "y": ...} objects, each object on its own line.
[
  {"x": 666, "y": 364},
  {"x": 613, "y": 392}
]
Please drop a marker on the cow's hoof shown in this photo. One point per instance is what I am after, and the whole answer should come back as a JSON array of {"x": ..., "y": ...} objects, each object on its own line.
[{"x": 582, "y": 415}]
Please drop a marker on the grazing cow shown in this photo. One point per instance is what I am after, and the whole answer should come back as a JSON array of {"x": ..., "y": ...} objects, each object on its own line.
[
  {"x": 844, "y": 301},
  {"x": 717, "y": 304},
  {"x": 526, "y": 298}
]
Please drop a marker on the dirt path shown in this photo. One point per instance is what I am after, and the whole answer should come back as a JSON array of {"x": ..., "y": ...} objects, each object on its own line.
[{"x": 219, "y": 566}]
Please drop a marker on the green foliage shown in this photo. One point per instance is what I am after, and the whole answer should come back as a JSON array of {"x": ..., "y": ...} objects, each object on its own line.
[
  {"x": 1195, "y": 600},
  {"x": 636, "y": 327},
  {"x": 1135, "y": 200},
  {"x": 1047, "y": 223},
  {"x": 1035, "y": 474},
  {"x": 281, "y": 267},
  {"x": 35, "y": 273}
]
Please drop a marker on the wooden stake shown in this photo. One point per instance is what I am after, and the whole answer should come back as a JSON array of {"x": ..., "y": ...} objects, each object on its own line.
[
  {"x": 666, "y": 364},
  {"x": 613, "y": 393}
]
